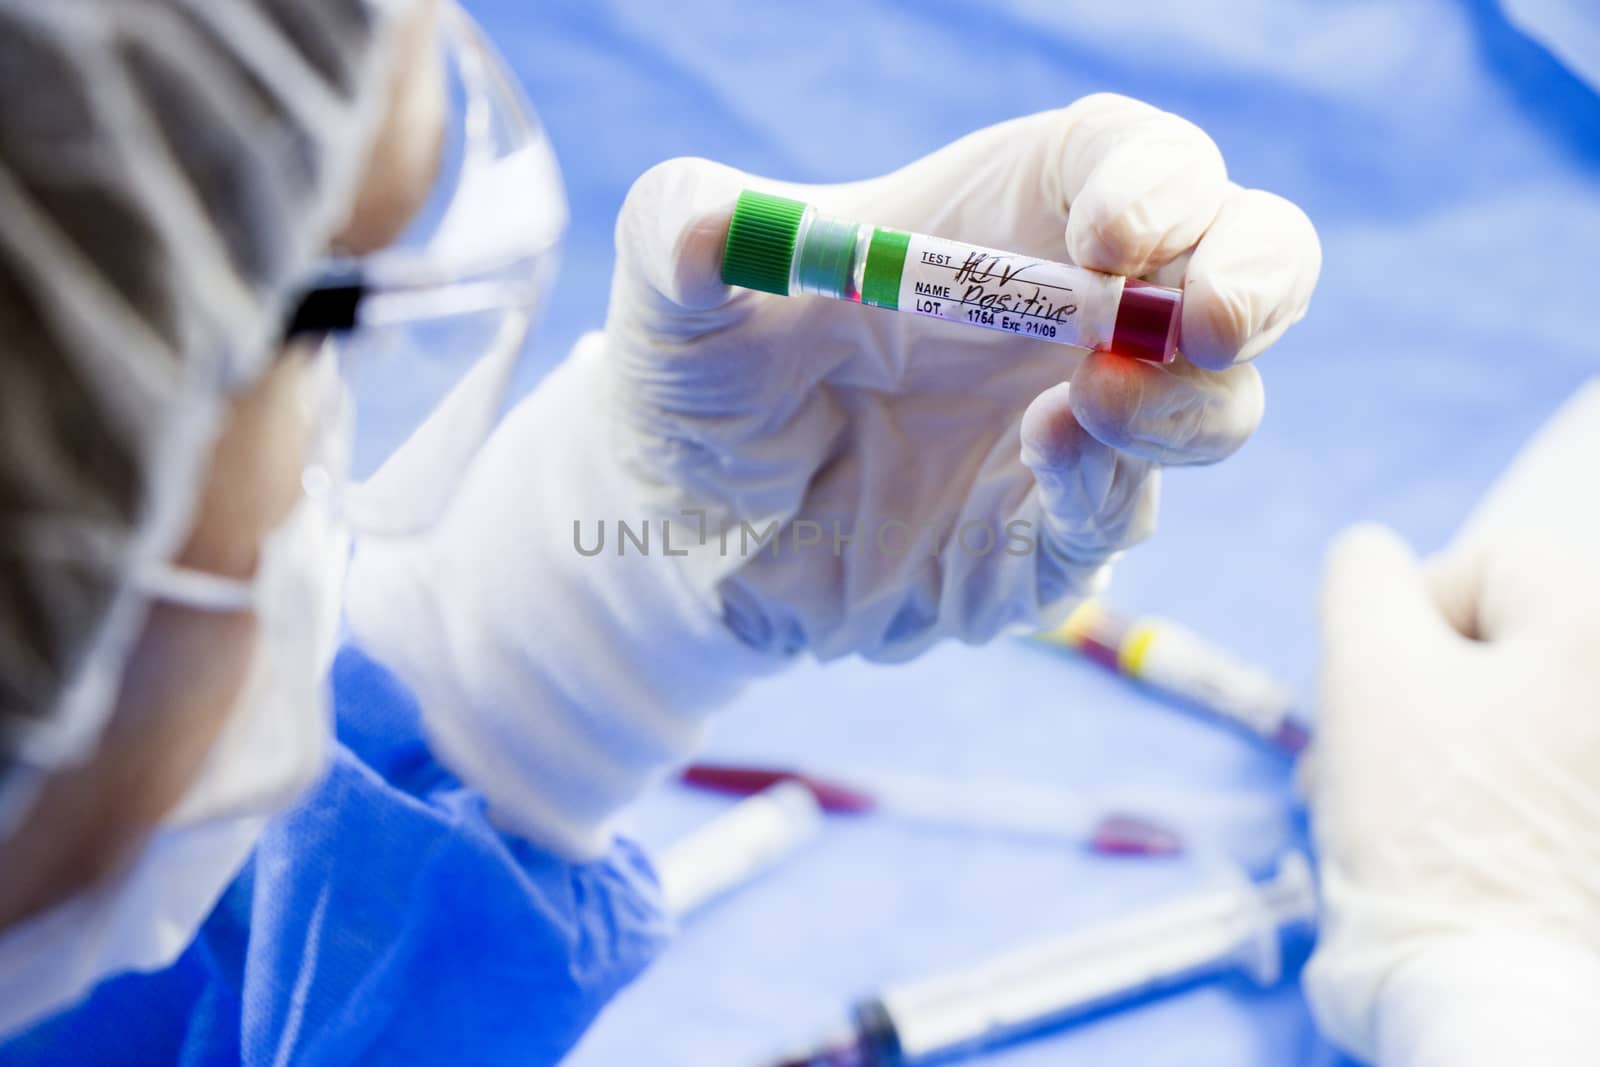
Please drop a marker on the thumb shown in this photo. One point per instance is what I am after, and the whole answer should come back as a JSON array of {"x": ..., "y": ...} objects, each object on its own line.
[
  {"x": 1378, "y": 613},
  {"x": 669, "y": 238},
  {"x": 1383, "y": 640}
]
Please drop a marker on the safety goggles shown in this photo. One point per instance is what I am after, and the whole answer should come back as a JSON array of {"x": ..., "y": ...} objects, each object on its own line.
[{"x": 429, "y": 331}]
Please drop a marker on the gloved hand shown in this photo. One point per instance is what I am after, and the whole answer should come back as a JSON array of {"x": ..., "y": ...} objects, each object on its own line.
[
  {"x": 929, "y": 480},
  {"x": 558, "y": 679},
  {"x": 1455, "y": 780}
]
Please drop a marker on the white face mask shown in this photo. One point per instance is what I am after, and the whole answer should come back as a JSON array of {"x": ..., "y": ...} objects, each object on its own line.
[{"x": 272, "y": 748}]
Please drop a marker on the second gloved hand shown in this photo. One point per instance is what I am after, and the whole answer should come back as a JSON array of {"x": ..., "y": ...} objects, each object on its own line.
[
  {"x": 1455, "y": 782},
  {"x": 846, "y": 480}
]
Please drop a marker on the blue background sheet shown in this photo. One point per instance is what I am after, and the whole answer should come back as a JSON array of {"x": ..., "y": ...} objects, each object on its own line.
[{"x": 1452, "y": 166}]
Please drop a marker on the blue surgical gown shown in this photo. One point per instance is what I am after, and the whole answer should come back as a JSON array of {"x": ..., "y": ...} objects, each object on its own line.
[{"x": 384, "y": 920}]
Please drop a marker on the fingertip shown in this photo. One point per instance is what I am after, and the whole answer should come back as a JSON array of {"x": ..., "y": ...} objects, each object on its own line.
[
  {"x": 1354, "y": 556},
  {"x": 1373, "y": 586},
  {"x": 1050, "y": 433},
  {"x": 1110, "y": 393},
  {"x": 1365, "y": 544},
  {"x": 1174, "y": 415},
  {"x": 673, "y": 225},
  {"x": 1094, "y": 500},
  {"x": 1065, "y": 458},
  {"x": 1154, "y": 186},
  {"x": 1249, "y": 280},
  {"x": 1216, "y": 323}
]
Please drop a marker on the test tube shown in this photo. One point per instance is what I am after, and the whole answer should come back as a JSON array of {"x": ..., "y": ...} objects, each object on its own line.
[
  {"x": 1174, "y": 659},
  {"x": 1006, "y": 807},
  {"x": 737, "y": 847},
  {"x": 1235, "y": 927},
  {"x": 783, "y": 246}
]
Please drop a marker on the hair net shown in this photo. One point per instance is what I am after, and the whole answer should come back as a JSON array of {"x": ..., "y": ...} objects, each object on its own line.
[{"x": 169, "y": 169}]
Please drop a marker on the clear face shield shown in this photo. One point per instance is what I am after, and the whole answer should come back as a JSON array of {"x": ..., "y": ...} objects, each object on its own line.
[{"x": 431, "y": 329}]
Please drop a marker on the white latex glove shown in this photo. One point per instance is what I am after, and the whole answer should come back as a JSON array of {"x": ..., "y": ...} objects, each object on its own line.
[
  {"x": 559, "y": 683},
  {"x": 1455, "y": 782},
  {"x": 924, "y": 440}
]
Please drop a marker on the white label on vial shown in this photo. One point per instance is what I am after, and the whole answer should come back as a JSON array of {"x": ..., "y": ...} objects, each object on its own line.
[{"x": 1019, "y": 294}]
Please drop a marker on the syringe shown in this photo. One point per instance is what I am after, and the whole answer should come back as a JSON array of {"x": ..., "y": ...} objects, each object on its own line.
[
  {"x": 1236, "y": 927},
  {"x": 783, "y": 246}
]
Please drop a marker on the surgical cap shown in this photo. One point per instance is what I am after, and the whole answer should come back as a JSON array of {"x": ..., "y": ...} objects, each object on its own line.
[{"x": 169, "y": 172}]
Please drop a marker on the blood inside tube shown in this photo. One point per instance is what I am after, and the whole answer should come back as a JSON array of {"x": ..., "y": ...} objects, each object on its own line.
[{"x": 1147, "y": 322}]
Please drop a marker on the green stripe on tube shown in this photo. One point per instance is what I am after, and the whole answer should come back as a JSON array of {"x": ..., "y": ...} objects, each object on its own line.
[{"x": 886, "y": 261}]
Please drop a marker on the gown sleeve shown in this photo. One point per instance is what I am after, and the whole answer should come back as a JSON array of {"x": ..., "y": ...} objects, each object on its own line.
[{"x": 383, "y": 920}]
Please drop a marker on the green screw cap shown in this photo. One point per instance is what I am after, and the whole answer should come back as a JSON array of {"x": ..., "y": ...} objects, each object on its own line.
[{"x": 761, "y": 239}]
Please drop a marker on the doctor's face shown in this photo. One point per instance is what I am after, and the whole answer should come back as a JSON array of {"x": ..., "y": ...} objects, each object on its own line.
[{"x": 188, "y": 666}]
